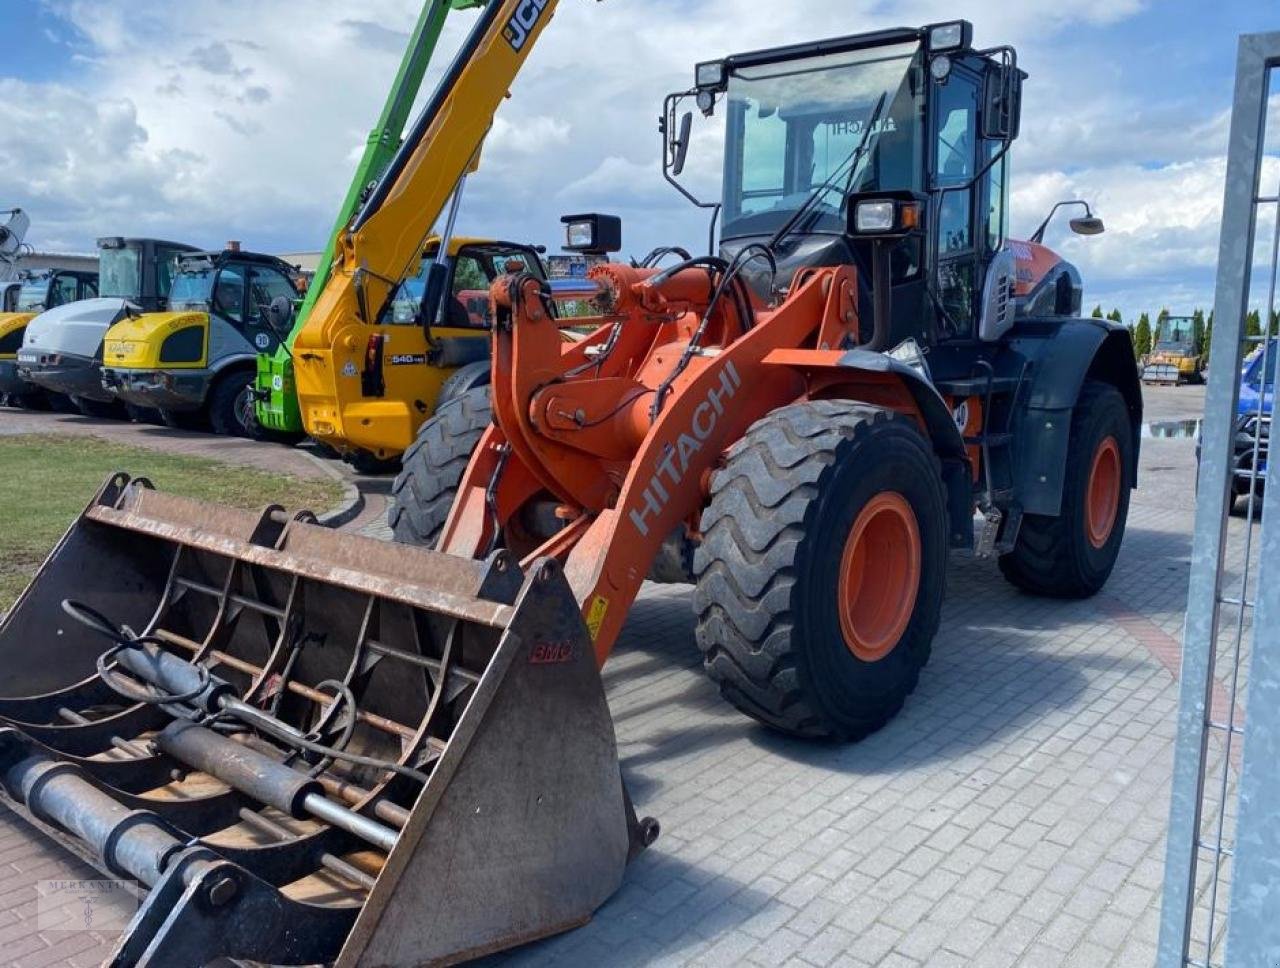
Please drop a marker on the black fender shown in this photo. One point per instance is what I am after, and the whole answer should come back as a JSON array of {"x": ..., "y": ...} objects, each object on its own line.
[
  {"x": 948, "y": 442},
  {"x": 1062, "y": 354},
  {"x": 462, "y": 379}
]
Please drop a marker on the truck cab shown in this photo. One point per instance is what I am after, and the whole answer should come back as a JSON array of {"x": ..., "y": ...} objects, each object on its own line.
[
  {"x": 62, "y": 348},
  {"x": 24, "y": 300},
  {"x": 196, "y": 361}
]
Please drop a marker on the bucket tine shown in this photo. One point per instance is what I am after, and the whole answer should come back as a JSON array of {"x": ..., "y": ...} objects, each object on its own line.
[{"x": 305, "y": 747}]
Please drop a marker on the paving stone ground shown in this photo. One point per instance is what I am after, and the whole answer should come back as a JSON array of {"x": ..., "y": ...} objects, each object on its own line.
[{"x": 1012, "y": 814}]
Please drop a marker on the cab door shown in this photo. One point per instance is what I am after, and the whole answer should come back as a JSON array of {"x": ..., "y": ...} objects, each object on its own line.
[
  {"x": 265, "y": 285},
  {"x": 957, "y": 244}
]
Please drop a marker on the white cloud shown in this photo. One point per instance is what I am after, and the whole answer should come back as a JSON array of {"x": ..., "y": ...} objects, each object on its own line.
[{"x": 247, "y": 123}]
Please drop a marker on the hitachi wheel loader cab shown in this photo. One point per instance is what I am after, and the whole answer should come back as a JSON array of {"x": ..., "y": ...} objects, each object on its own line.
[
  {"x": 311, "y": 747},
  {"x": 196, "y": 361},
  {"x": 62, "y": 348},
  {"x": 39, "y": 292},
  {"x": 429, "y": 344}
]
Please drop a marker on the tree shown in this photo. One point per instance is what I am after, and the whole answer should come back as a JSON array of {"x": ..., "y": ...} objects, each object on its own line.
[
  {"x": 1197, "y": 328},
  {"x": 1115, "y": 316},
  {"x": 1142, "y": 336},
  {"x": 1253, "y": 323},
  {"x": 1097, "y": 311},
  {"x": 1208, "y": 337}
]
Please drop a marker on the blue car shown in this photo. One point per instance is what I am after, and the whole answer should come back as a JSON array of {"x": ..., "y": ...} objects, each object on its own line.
[{"x": 1253, "y": 416}]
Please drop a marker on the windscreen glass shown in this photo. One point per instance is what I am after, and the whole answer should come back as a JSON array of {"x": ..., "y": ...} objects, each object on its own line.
[
  {"x": 191, "y": 288},
  {"x": 34, "y": 295},
  {"x": 794, "y": 125},
  {"x": 120, "y": 273}
]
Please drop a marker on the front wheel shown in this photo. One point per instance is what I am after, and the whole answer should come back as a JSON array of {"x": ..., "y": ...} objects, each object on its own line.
[
  {"x": 821, "y": 572},
  {"x": 102, "y": 409},
  {"x": 433, "y": 467},
  {"x": 1071, "y": 555},
  {"x": 231, "y": 406}
]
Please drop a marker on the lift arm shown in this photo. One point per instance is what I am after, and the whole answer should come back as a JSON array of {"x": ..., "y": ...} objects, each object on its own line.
[
  {"x": 385, "y": 237},
  {"x": 384, "y": 138}
]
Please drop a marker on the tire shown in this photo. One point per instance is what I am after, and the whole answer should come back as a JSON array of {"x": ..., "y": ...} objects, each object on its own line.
[
  {"x": 184, "y": 420},
  {"x": 230, "y": 405},
  {"x": 433, "y": 466},
  {"x": 1059, "y": 556},
  {"x": 783, "y": 519},
  {"x": 143, "y": 415},
  {"x": 35, "y": 400},
  {"x": 370, "y": 465},
  {"x": 60, "y": 403},
  {"x": 102, "y": 409}
]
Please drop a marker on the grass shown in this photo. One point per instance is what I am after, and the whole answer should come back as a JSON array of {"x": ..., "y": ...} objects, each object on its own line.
[{"x": 46, "y": 480}]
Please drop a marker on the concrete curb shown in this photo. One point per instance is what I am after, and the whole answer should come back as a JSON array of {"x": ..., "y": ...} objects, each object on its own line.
[{"x": 352, "y": 505}]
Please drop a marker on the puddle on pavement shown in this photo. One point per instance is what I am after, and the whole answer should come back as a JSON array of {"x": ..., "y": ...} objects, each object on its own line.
[{"x": 1172, "y": 429}]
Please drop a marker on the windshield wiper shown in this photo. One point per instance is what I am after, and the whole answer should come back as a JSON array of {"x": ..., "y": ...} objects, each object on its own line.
[{"x": 852, "y": 161}]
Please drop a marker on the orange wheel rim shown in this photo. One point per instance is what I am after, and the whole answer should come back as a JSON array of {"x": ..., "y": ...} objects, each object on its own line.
[
  {"x": 879, "y": 576},
  {"x": 1103, "y": 498}
]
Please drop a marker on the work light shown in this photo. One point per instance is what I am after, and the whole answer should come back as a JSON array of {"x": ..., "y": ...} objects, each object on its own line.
[
  {"x": 956, "y": 35},
  {"x": 875, "y": 216}
]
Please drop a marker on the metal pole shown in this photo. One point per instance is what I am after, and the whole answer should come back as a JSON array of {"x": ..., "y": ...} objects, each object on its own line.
[
  {"x": 1255, "y": 893},
  {"x": 1235, "y": 260}
]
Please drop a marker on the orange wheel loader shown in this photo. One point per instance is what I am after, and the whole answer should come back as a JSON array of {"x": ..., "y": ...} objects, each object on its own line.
[{"x": 300, "y": 746}]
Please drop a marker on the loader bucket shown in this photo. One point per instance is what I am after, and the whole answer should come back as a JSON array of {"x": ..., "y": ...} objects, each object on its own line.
[{"x": 299, "y": 746}]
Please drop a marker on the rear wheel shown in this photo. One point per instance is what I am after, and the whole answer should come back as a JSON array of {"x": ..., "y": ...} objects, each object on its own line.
[
  {"x": 103, "y": 409},
  {"x": 432, "y": 468},
  {"x": 35, "y": 400},
  {"x": 60, "y": 403},
  {"x": 821, "y": 571},
  {"x": 1072, "y": 555},
  {"x": 231, "y": 405}
]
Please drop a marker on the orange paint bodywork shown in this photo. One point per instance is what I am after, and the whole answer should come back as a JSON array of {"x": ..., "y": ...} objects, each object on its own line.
[{"x": 578, "y": 425}]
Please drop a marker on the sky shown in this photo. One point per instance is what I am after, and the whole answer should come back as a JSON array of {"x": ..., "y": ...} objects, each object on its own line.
[{"x": 210, "y": 120}]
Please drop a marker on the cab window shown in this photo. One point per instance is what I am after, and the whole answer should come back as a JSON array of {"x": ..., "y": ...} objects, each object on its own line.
[
  {"x": 228, "y": 294},
  {"x": 468, "y": 304},
  {"x": 957, "y": 132},
  {"x": 88, "y": 288},
  {"x": 166, "y": 267},
  {"x": 65, "y": 290},
  {"x": 266, "y": 285}
]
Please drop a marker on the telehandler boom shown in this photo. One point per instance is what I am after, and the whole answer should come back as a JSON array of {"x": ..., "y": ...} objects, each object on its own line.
[{"x": 312, "y": 747}]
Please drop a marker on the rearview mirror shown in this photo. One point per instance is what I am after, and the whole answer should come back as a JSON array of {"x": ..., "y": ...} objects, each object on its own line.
[
  {"x": 279, "y": 315},
  {"x": 1002, "y": 103},
  {"x": 680, "y": 146},
  {"x": 1087, "y": 225}
]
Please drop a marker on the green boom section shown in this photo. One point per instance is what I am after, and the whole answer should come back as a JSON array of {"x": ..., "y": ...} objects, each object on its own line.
[{"x": 277, "y": 399}]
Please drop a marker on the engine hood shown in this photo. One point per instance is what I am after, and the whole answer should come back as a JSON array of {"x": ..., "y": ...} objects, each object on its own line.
[
  {"x": 76, "y": 328},
  {"x": 138, "y": 342}
]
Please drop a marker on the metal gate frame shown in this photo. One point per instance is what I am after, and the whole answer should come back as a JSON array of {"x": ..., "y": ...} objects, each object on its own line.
[{"x": 1254, "y": 911}]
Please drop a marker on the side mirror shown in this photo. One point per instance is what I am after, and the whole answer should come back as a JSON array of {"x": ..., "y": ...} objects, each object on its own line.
[
  {"x": 1087, "y": 225},
  {"x": 279, "y": 315},
  {"x": 680, "y": 146},
  {"x": 1002, "y": 103}
]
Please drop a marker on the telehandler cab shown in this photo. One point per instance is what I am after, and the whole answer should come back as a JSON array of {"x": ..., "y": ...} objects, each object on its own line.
[{"x": 312, "y": 747}]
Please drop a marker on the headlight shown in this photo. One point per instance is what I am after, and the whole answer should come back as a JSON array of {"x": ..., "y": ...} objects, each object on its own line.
[
  {"x": 874, "y": 217},
  {"x": 950, "y": 36},
  {"x": 579, "y": 235},
  {"x": 709, "y": 74}
]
